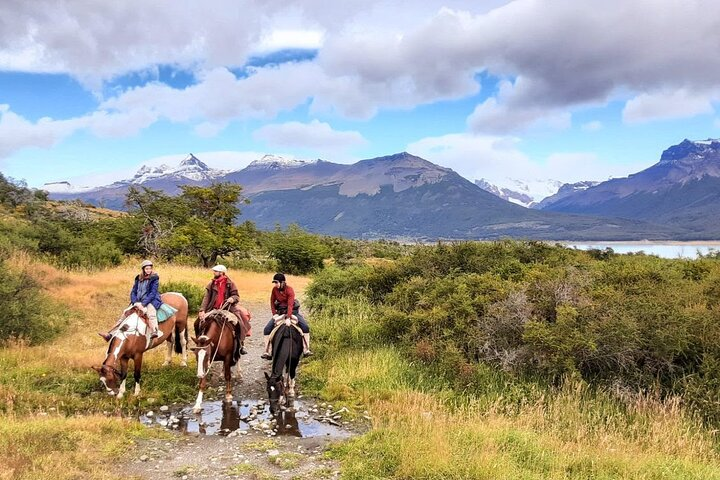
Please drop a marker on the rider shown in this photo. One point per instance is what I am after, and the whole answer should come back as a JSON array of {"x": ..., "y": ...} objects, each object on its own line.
[
  {"x": 221, "y": 291},
  {"x": 281, "y": 296},
  {"x": 144, "y": 295}
]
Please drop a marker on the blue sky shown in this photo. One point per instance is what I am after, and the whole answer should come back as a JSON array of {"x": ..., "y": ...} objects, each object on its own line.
[{"x": 481, "y": 87}]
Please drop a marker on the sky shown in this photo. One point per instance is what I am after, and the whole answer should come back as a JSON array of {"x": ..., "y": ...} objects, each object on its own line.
[{"x": 567, "y": 90}]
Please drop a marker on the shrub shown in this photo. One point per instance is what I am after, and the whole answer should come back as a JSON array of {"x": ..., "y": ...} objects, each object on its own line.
[
  {"x": 27, "y": 314},
  {"x": 193, "y": 293}
]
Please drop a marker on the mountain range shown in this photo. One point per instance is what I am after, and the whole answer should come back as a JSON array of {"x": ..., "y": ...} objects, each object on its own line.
[
  {"x": 681, "y": 191},
  {"x": 396, "y": 196}
]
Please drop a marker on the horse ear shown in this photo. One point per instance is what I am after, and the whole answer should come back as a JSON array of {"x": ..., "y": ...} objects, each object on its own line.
[
  {"x": 267, "y": 376},
  {"x": 193, "y": 339},
  {"x": 97, "y": 369}
]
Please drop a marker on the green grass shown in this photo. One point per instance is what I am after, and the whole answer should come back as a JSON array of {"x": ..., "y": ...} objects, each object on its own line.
[
  {"x": 66, "y": 448},
  {"x": 427, "y": 425}
]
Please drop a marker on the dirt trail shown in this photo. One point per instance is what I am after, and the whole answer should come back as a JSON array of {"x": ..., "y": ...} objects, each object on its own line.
[{"x": 241, "y": 440}]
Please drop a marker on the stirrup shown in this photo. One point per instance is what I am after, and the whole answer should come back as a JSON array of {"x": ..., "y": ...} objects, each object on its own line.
[
  {"x": 308, "y": 353},
  {"x": 266, "y": 356},
  {"x": 243, "y": 351}
]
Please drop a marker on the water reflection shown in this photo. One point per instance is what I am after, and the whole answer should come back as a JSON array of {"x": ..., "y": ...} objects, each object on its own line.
[{"x": 220, "y": 418}]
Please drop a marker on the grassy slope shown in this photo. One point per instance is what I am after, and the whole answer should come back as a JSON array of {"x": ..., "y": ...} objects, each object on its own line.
[
  {"x": 40, "y": 387},
  {"x": 423, "y": 428}
]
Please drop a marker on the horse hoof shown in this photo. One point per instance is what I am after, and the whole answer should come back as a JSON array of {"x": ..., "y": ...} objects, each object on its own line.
[
  {"x": 120, "y": 396},
  {"x": 183, "y": 364},
  {"x": 197, "y": 409},
  {"x": 165, "y": 364},
  {"x": 228, "y": 398}
]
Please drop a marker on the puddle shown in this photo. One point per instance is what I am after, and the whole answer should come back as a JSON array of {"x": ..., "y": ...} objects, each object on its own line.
[{"x": 243, "y": 417}]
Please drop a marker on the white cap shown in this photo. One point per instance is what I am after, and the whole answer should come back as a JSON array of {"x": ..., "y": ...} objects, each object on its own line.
[
  {"x": 219, "y": 268},
  {"x": 146, "y": 263}
]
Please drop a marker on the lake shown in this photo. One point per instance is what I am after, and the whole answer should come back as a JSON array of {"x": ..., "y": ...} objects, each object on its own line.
[{"x": 664, "y": 250}]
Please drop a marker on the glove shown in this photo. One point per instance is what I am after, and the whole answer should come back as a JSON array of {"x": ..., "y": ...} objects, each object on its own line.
[{"x": 230, "y": 301}]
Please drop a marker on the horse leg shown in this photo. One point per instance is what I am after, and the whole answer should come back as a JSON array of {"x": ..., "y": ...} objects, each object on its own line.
[
  {"x": 123, "y": 376},
  {"x": 198, "y": 402},
  {"x": 228, "y": 379},
  {"x": 137, "y": 362},
  {"x": 168, "y": 353},
  {"x": 183, "y": 345}
]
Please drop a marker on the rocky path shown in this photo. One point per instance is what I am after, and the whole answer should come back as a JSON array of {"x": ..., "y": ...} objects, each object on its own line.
[{"x": 243, "y": 440}]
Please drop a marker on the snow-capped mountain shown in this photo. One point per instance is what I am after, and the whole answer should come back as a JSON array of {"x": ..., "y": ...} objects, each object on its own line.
[
  {"x": 275, "y": 162},
  {"x": 190, "y": 168},
  {"x": 521, "y": 192},
  {"x": 565, "y": 190}
]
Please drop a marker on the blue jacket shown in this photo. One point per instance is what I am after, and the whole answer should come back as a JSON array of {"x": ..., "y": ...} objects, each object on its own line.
[{"x": 151, "y": 295}]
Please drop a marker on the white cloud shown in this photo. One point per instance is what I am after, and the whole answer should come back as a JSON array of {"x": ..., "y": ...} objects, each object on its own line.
[
  {"x": 315, "y": 135},
  {"x": 667, "y": 105},
  {"x": 498, "y": 158},
  {"x": 16, "y": 132}
]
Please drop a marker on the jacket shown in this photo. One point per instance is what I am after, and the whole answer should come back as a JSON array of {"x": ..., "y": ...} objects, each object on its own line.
[
  {"x": 211, "y": 293},
  {"x": 152, "y": 295}
]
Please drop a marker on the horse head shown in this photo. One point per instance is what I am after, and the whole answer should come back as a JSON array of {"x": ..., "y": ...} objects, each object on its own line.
[
  {"x": 110, "y": 377},
  {"x": 276, "y": 390},
  {"x": 203, "y": 352}
]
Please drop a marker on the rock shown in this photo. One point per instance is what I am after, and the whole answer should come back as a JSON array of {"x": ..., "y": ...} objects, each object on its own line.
[
  {"x": 164, "y": 408},
  {"x": 144, "y": 458},
  {"x": 150, "y": 414},
  {"x": 273, "y": 453}
]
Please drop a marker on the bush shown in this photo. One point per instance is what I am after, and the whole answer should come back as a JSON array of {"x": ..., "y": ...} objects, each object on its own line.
[
  {"x": 296, "y": 251},
  {"x": 193, "y": 293},
  {"x": 639, "y": 322},
  {"x": 27, "y": 314}
]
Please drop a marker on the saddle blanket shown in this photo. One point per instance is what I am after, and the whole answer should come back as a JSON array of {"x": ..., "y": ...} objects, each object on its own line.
[{"x": 164, "y": 312}]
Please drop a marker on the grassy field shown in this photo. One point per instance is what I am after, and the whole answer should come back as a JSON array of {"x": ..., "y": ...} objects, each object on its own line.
[
  {"x": 53, "y": 409},
  {"x": 423, "y": 428},
  {"x": 57, "y": 422}
]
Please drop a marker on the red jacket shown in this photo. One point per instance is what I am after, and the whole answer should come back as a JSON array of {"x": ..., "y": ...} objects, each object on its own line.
[{"x": 284, "y": 298}]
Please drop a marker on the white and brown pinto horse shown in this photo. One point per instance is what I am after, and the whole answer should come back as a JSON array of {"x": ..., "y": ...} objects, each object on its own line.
[
  {"x": 130, "y": 340},
  {"x": 215, "y": 342}
]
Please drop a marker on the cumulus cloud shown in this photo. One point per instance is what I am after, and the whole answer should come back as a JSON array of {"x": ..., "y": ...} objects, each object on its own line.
[
  {"x": 498, "y": 158},
  {"x": 667, "y": 105},
  {"x": 377, "y": 55},
  {"x": 315, "y": 135}
]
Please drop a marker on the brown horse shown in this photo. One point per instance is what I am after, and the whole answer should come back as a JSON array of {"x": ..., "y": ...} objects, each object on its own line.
[
  {"x": 129, "y": 341},
  {"x": 215, "y": 342}
]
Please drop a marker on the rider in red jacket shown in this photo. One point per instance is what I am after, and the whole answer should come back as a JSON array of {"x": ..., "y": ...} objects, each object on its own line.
[{"x": 283, "y": 302}]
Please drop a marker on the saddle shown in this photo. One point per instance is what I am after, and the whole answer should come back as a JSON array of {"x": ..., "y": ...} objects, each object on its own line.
[{"x": 281, "y": 320}]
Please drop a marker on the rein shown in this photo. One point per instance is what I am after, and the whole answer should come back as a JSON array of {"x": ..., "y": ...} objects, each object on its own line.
[{"x": 217, "y": 347}]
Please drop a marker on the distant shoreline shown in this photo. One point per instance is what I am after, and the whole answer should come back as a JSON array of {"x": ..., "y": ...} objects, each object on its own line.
[{"x": 700, "y": 243}]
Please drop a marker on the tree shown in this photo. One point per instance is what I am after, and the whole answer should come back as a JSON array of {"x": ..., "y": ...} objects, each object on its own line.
[{"x": 161, "y": 213}]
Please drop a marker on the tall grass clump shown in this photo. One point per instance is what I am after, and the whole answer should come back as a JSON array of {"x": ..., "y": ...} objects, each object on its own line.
[{"x": 192, "y": 292}]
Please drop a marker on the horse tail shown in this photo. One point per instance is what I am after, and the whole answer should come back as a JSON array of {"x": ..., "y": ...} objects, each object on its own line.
[{"x": 178, "y": 345}]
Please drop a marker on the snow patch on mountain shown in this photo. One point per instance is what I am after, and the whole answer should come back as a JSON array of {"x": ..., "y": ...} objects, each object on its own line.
[
  {"x": 190, "y": 168},
  {"x": 276, "y": 162},
  {"x": 521, "y": 192},
  {"x": 64, "y": 187}
]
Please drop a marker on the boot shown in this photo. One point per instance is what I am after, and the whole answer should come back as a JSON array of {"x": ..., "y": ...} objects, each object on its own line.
[
  {"x": 105, "y": 336},
  {"x": 266, "y": 355},
  {"x": 238, "y": 335},
  {"x": 306, "y": 344}
]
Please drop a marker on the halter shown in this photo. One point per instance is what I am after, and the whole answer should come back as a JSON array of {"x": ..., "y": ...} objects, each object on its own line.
[{"x": 217, "y": 347}]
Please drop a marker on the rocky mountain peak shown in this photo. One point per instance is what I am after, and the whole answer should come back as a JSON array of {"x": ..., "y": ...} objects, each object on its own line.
[
  {"x": 192, "y": 161},
  {"x": 688, "y": 149}
]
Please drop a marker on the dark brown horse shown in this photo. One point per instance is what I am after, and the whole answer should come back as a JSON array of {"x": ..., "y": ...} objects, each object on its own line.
[
  {"x": 287, "y": 350},
  {"x": 130, "y": 341},
  {"x": 215, "y": 342}
]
